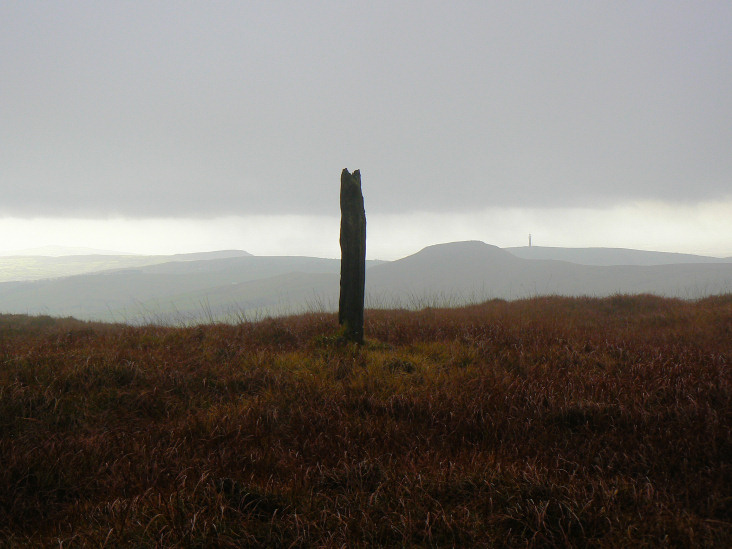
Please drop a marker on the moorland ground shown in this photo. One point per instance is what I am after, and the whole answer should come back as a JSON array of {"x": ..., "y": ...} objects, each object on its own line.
[{"x": 567, "y": 422}]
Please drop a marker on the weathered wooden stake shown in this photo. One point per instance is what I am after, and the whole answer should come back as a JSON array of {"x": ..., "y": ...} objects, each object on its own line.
[{"x": 353, "y": 257}]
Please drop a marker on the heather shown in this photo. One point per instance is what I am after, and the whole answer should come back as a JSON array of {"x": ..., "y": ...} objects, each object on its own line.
[{"x": 547, "y": 422}]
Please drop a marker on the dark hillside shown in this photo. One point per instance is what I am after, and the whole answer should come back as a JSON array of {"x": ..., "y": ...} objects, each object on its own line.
[{"x": 549, "y": 422}]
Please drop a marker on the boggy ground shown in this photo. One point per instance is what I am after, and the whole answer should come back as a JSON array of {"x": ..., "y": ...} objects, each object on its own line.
[{"x": 550, "y": 422}]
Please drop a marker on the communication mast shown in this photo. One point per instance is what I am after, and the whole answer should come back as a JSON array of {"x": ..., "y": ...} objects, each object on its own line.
[{"x": 529, "y": 240}]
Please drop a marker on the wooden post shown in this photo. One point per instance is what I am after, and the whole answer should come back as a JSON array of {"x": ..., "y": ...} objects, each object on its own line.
[{"x": 353, "y": 257}]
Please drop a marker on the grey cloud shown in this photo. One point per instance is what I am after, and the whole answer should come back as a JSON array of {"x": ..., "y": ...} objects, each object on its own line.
[{"x": 178, "y": 109}]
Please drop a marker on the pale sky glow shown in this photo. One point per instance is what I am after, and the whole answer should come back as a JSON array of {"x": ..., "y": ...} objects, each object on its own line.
[
  {"x": 701, "y": 229},
  {"x": 169, "y": 126}
]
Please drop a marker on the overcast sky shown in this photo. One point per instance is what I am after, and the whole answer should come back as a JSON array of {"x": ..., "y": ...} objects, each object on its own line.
[{"x": 178, "y": 126}]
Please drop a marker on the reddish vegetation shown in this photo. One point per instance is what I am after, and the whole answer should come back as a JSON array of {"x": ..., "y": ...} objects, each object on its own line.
[{"x": 545, "y": 422}]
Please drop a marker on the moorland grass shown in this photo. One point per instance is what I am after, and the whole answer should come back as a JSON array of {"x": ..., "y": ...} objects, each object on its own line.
[{"x": 548, "y": 422}]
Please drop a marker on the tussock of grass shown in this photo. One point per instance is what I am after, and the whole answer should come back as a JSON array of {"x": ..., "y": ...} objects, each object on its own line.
[{"x": 545, "y": 422}]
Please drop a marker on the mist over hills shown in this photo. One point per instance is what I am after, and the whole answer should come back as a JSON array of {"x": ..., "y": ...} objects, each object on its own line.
[
  {"x": 611, "y": 256},
  {"x": 48, "y": 264},
  {"x": 230, "y": 285},
  {"x": 59, "y": 251}
]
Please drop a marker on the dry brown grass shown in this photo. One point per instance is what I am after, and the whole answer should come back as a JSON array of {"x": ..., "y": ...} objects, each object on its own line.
[{"x": 550, "y": 422}]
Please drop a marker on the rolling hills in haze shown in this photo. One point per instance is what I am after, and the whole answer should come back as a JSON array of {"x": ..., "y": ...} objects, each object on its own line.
[
  {"x": 231, "y": 285},
  {"x": 477, "y": 270}
]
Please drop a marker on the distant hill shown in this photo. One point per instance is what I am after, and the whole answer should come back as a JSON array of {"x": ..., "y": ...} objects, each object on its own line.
[
  {"x": 465, "y": 269},
  {"x": 221, "y": 254},
  {"x": 455, "y": 271},
  {"x": 474, "y": 271},
  {"x": 228, "y": 288},
  {"x": 611, "y": 256}
]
